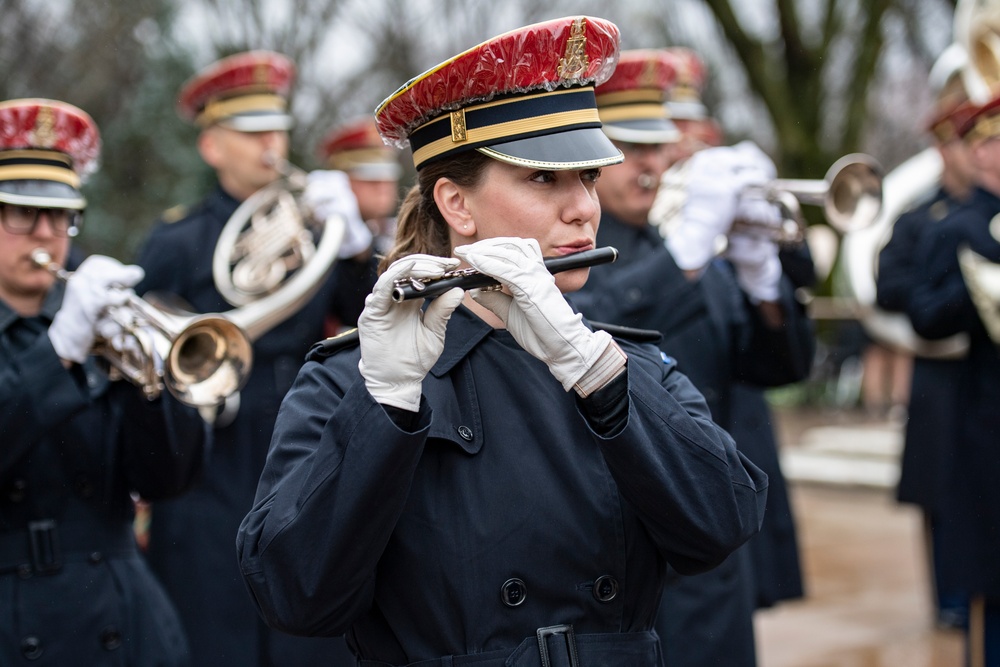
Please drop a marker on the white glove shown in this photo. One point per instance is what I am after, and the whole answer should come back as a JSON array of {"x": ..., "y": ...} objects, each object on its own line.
[
  {"x": 715, "y": 179},
  {"x": 86, "y": 299},
  {"x": 758, "y": 269},
  {"x": 537, "y": 315},
  {"x": 400, "y": 342},
  {"x": 329, "y": 193},
  {"x": 754, "y": 207}
]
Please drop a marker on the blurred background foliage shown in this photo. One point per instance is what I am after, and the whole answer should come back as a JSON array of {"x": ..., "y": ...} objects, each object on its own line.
[{"x": 809, "y": 80}]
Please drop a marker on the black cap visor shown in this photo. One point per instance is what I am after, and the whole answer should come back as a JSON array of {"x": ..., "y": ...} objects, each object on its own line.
[{"x": 581, "y": 148}]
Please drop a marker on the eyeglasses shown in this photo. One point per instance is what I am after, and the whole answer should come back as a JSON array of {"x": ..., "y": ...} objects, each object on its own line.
[{"x": 24, "y": 219}]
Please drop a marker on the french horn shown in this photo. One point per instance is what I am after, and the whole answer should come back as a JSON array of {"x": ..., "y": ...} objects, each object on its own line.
[
  {"x": 267, "y": 261},
  {"x": 977, "y": 41},
  {"x": 200, "y": 359}
]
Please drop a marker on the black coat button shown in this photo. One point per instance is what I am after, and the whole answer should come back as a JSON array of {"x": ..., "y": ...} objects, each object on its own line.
[
  {"x": 95, "y": 557},
  {"x": 111, "y": 638},
  {"x": 17, "y": 490},
  {"x": 513, "y": 592},
  {"x": 31, "y": 647},
  {"x": 23, "y": 571},
  {"x": 466, "y": 433},
  {"x": 605, "y": 588}
]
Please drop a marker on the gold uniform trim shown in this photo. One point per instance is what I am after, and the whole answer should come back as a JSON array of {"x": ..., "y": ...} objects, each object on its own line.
[
  {"x": 634, "y": 112},
  {"x": 34, "y": 154},
  {"x": 39, "y": 172},
  {"x": 219, "y": 109},
  {"x": 635, "y": 96},
  {"x": 508, "y": 130},
  {"x": 985, "y": 128}
]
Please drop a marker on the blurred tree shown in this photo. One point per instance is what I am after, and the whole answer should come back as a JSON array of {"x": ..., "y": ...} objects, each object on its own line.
[{"x": 110, "y": 59}]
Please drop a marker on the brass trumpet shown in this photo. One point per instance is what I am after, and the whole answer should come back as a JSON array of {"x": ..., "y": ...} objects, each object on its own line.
[
  {"x": 199, "y": 359},
  {"x": 850, "y": 194}
]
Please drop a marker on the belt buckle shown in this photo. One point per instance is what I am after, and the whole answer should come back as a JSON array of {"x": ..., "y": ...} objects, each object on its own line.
[
  {"x": 568, "y": 636},
  {"x": 43, "y": 540}
]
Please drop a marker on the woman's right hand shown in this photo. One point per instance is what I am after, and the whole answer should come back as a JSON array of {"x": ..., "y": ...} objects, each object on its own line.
[{"x": 400, "y": 342}]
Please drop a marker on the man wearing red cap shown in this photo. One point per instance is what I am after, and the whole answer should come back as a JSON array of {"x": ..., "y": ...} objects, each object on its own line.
[
  {"x": 721, "y": 325},
  {"x": 952, "y": 294},
  {"x": 373, "y": 168},
  {"x": 932, "y": 410},
  {"x": 74, "y": 589},
  {"x": 499, "y": 482},
  {"x": 240, "y": 104}
]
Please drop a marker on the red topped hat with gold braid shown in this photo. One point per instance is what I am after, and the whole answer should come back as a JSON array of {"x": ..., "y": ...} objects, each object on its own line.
[
  {"x": 357, "y": 148},
  {"x": 246, "y": 92},
  {"x": 47, "y": 149},
  {"x": 684, "y": 98},
  {"x": 525, "y": 97},
  {"x": 631, "y": 102}
]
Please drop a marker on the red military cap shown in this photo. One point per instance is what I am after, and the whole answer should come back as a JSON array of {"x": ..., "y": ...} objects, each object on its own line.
[
  {"x": 631, "y": 102},
  {"x": 952, "y": 111},
  {"x": 684, "y": 98},
  {"x": 47, "y": 149},
  {"x": 246, "y": 92},
  {"x": 525, "y": 97},
  {"x": 981, "y": 122},
  {"x": 357, "y": 148}
]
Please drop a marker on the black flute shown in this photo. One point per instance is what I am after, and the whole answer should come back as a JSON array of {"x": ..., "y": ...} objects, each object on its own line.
[{"x": 428, "y": 288}]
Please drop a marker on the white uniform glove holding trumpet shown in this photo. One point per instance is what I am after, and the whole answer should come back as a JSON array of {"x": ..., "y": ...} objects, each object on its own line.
[
  {"x": 328, "y": 193},
  {"x": 88, "y": 295},
  {"x": 715, "y": 180},
  {"x": 539, "y": 317},
  {"x": 400, "y": 342}
]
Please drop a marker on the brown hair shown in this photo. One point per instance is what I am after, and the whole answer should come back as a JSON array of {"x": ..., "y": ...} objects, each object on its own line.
[{"x": 420, "y": 227}]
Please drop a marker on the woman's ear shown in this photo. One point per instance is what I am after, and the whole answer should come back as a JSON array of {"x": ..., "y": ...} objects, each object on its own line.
[{"x": 454, "y": 207}]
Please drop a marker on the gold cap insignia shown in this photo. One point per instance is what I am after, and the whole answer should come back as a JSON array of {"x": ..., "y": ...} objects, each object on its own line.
[
  {"x": 575, "y": 61},
  {"x": 45, "y": 135},
  {"x": 458, "y": 129}
]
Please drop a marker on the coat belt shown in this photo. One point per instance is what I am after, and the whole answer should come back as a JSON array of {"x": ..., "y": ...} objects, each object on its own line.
[
  {"x": 558, "y": 646},
  {"x": 43, "y": 546}
]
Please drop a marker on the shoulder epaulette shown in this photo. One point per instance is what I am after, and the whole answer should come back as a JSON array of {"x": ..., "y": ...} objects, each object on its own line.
[
  {"x": 174, "y": 213},
  {"x": 327, "y": 348},
  {"x": 628, "y": 333}
]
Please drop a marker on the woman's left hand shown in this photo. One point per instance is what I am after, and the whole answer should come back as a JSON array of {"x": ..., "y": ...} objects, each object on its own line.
[{"x": 536, "y": 313}]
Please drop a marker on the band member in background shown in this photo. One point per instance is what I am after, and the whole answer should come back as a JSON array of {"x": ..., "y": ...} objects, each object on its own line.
[
  {"x": 929, "y": 435},
  {"x": 721, "y": 323},
  {"x": 497, "y": 483},
  {"x": 774, "y": 552},
  {"x": 373, "y": 168},
  {"x": 685, "y": 107},
  {"x": 941, "y": 304},
  {"x": 240, "y": 105},
  {"x": 74, "y": 589}
]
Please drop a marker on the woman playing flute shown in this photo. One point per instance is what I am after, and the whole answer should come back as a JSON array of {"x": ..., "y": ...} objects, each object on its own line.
[{"x": 486, "y": 479}]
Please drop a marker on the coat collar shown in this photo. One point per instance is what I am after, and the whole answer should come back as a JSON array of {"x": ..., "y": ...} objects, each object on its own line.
[
  {"x": 465, "y": 331},
  {"x": 53, "y": 300}
]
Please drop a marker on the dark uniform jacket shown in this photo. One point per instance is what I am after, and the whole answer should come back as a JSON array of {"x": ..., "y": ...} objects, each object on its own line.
[
  {"x": 718, "y": 339},
  {"x": 501, "y": 511},
  {"x": 940, "y": 306},
  {"x": 930, "y": 425},
  {"x": 191, "y": 538},
  {"x": 74, "y": 446}
]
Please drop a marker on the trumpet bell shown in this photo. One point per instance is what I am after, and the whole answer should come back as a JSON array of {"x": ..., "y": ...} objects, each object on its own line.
[
  {"x": 854, "y": 196},
  {"x": 209, "y": 359}
]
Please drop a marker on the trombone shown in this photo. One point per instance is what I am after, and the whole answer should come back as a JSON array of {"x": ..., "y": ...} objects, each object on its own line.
[{"x": 199, "y": 359}]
